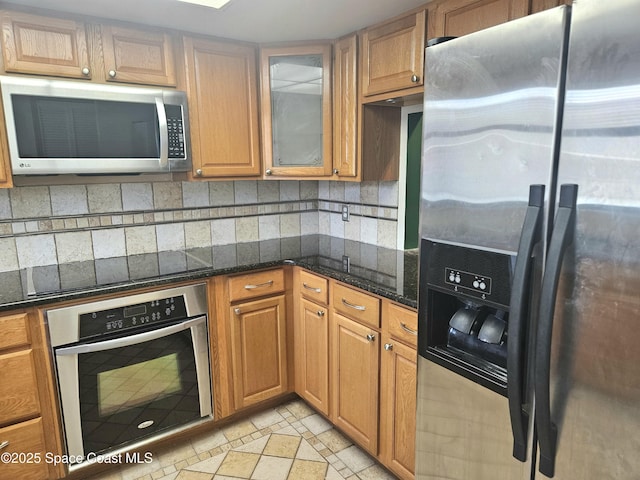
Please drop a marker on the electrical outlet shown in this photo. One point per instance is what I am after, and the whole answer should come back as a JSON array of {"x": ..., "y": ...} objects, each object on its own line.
[
  {"x": 345, "y": 263},
  {"x": 345, "y": 213}
]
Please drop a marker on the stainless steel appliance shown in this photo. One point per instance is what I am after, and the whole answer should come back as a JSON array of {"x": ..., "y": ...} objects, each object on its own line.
[
  {"x": 530, "y": 218},
  {"x": 66, "y": 127},
  {"x": 131, "y": 369}
]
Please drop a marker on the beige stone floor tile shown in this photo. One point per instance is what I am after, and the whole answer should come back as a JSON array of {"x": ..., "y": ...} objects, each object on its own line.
[
  {"x": 256, "y": 446},
  {"x": 189, "y": 475},
  {"x": 332, "y": 474},
  {"x": 316, "y": 424},
  {"x": 307, "y": 470},
  {"x": 334, "y": 440},
  {"x": 272, "y": 468},
  {"x": 375, "y": 472},
  {"x": 208, "y": 441},
  {"x": 355, "y": 459},
  {"x": 282, "y": 446},
  {"x": 210, "y": 465},
  {"x": 238, "y": 430},
  {"x": 238, "y": 464},
  {"x": 299, "y": 409},
  {"x": 266, "y": 419},
  {"x": 307, "y": 452}
]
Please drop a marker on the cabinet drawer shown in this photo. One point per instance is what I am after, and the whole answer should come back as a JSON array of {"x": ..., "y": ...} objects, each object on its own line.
[
  {"x": 26, "y": 438},
  {"x": 401, "y": 322},
  {"x": 18, "y": 388},
  {"x": 14, "y": 331},
  {"x": 314, "y": 287},
  {"x": 356, "y": 305},
  {"x": 256, "y": 284}
]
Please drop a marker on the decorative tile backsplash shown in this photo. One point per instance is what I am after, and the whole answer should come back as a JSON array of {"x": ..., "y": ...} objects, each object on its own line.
[{"x": 48, "y": 225}]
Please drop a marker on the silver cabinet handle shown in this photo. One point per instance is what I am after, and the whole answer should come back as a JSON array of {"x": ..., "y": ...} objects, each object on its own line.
[
  {"x": 414, "y": 78},
  {"x": 407, "y": 329},
  {"x": 86, "y": 71},
  {"x": 336, "y": 171},
  {"x": 4, "y": 444},
  {"x": 320, "y": 313},
  {"x": 112, "y": 73},
  {"x": 371, "y": 337},
  {"x": 360, "y": 308},
  {"x": 236, "y": 311},
  {"x": 199, "y": 172},
  {"x": 313, "y": 289},
  {"x": 259, "y": 285},
  {"x": 268, "y": 171},
  {"x": 388, "y": 346}
]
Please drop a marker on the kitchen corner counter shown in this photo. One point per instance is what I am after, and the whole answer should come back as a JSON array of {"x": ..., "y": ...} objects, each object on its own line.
[{"x": 389, "y": 273}]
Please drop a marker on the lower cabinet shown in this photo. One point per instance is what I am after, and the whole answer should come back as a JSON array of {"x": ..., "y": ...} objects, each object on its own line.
[
  {"x": 258, "y": 350},
  {"x": 26, "y": 441}
]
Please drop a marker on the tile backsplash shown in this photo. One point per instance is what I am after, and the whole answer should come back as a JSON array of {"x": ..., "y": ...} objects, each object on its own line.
[{"x": 48, "y": 225}]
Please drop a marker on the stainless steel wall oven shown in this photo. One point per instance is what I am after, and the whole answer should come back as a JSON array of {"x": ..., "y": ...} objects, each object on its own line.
[{"x": 131, "y": 369}]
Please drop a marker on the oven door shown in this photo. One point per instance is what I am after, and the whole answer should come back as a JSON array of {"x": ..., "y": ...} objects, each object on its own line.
[{"x": 125, "y": 389}]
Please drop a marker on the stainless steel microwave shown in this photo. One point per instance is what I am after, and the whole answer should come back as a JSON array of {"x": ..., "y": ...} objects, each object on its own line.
[{"x": 67, "y": 127}]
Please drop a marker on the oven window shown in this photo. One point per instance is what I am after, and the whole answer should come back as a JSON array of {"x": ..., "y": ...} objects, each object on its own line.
[{"x": 138, "y": 384}]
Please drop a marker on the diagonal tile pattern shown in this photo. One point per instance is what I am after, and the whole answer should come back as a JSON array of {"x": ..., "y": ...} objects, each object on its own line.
[{"x": 289, "y": 442}]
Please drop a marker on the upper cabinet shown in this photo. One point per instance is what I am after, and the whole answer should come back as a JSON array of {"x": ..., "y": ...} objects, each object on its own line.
[
  {"x": 393, "y": 54},
  {"x": 223, "y": 108},
  {"x": 138, "y": 56},
  {"x": 44, "y": 45},
  {"x": 345, "y": 108},
  {"x": 460, "y": 17},
  {"x": 295, "y": 84}
]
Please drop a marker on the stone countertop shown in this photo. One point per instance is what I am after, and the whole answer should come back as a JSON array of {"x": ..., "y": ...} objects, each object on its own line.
[{"x": 389, "y": 273}]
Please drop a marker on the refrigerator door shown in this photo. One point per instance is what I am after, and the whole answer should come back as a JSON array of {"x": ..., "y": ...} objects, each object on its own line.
[{"x": 595, "y": 349}]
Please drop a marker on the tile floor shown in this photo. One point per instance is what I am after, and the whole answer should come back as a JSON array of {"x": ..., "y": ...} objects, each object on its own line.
[{"x": 289, "y": 442}]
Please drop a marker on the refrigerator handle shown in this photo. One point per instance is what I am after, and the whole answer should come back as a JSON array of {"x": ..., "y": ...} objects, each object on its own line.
[
  {"x": 518, "y": 314},
  {"x": 561, "y": 238}
]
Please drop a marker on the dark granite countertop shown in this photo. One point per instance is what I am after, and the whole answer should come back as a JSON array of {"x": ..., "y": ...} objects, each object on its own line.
[{"x": 389, "y": 273}]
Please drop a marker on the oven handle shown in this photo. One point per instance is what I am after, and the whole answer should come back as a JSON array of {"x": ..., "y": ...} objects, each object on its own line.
[{"x": 132, "y": 340}]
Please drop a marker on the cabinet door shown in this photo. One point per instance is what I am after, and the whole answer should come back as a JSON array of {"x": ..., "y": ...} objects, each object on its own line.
[
  {"x": 354, "y": 381},
  {"x": 460, "y": 17},
  {"x": 18, "y": 387},
  {"x": 223, "y": 108},
  {"x": 259, "y": 354},
  {"x": 26, "y": 438},
  {"x": 296, "y": 110},
  {"x": 345, "y": 108},
  {"x": 312, "y": 365},
  {"x": 393, "y": 55},
  {"x": 44, "y": 45},
  {"x": 398, "y": 407},
  {"x": 138, "y": 56}
]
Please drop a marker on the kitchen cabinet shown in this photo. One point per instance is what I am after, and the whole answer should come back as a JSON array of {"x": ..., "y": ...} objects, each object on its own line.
[
  {"x": 312, "y": 340},
  {"x": 393, "y": 55},
  {"x": 28, "y": 425},
  {"x": 398, "y": 373},
  {"x": 223, "y": 108},
  {"x": 138, "y": 56},
  {"x": 355, "y": 362},
  {"x": 345, "y": 109},
  {"x": 461, "y": 17},
  {"x": 44, "y": 45},
  {"x": 295, "y": 86},
  {"x": 257, "y": 326}
]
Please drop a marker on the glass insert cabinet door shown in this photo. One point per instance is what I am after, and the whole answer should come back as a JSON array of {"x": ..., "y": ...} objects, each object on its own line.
[{"x": 296, "y": 110}]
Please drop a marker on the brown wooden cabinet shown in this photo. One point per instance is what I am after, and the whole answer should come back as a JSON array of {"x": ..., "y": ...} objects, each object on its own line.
[
  {"x": 28, "y": 423},
  {"x": 345, "y": 109},
  {"x": 461, "y": 17},
  {"x": 223, "y": 108},
  {"x": 42, "y": 45},
  {"x": 393, "y": 54},
  {"x": 138, "y": 56},
  {"x": 398, "y": 371},
  {"x": 257, "y": 327}
]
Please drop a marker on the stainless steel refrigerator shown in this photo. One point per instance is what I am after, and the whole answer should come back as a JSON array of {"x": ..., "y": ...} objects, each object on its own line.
[{"x": 529, "y": 305}]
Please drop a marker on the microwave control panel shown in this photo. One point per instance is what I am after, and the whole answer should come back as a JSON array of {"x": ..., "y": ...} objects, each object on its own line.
[{"x": 175, "y": 127}]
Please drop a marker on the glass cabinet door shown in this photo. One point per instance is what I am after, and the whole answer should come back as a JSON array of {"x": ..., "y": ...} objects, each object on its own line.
[{"x": 296, "y": 110}]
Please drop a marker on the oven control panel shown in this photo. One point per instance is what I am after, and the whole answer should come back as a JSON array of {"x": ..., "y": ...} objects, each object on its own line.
[{"x": 132, "y": 316}]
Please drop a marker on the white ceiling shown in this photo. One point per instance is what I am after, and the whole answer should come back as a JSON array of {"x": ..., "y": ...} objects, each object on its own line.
[{"x": 251, "y": 20}]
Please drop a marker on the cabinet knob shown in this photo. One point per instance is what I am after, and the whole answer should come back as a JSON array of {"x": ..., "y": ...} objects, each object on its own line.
[
  {"x": 336, "y": 171},
  {"x": 236, "y": 311},
  {"x": 86, "y": 71},
  {"x": 388, "y": 346},
  {"x": 112, "y": 73},
  {"x": 320, "y": 313},
  {"x": 371, "y": 337},
  {"x": 415, "y": 78},
  {"x": 199, "y": 172},
  {"x": 268, "y": 171}
]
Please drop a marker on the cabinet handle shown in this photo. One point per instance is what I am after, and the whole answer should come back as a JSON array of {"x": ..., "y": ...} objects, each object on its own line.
[
  {"x": 320, "y": 313},
  {"x": 414, "y": 78},
  {"x": 407, "y": 329},
  {"x": 237, "y": 311},
  {"x": 268, "y": 171},
  {"x": 4, "y": 444},
  {"x": 86, "y": 71},
  {"x": 360, "y": 308},
  {"x": 313, "y": 289},
  {"x": 388, "y": 346},
  {"x": 259, "y": 285},
  {"x": 371, "y": 337},
  {"x": 199, "y": 172},
  {"x": 112, "y": 73},
  {"x": 336, "y": 171}
]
